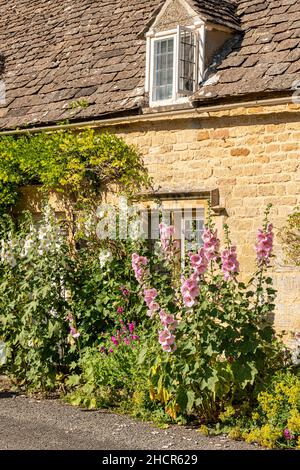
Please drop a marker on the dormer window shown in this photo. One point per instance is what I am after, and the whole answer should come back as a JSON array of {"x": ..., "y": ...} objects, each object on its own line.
[{"x": 175, "y": 61}]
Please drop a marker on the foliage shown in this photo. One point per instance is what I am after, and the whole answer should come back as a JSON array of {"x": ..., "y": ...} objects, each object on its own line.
[
  {"x": 217, "y": 343},
  {"x": 33, "y": 306},
  {"x": 291, "y": 237},
  {"x": 103, "y": 289},
  {"x": 274, "y": 421},
  {"x": 56, "y": 303},
  {"x": 77, "y": 164},
  {"x": 110, "y": 372},
  {"x": 133, "y": 329}
]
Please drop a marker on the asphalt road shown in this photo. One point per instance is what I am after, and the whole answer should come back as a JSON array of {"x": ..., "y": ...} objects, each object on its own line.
[{"x": 31, "y": 424}]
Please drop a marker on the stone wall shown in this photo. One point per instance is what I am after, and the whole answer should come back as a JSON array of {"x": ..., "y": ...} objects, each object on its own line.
[{"x": 252, "y": 155}]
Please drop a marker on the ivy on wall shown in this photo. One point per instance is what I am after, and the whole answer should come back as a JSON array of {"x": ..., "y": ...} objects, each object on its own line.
[{"x": 78, "y": 164}]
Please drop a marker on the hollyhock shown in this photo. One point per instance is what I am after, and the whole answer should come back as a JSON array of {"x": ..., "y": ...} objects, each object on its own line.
[
  {"x": 211, "y": 244},
  {"x": 167, "y": 340},
  {"x": 264, "y": 245},
  {"x": 120, "y": 310},
  {"x": 114, "y": 340},
  {"x": 166, "y": 231},
  {"x": 199, "y": 261},
  {"x": 74, "y": 332},
  {"x": 230, "y": 264},
  {"x": 150, "y": 295},
  {"x": 190, "y": 290},
  {"x": 70, "y": 317},
  {"x": 139, "y": 264},
  {"x": 169, "y": 246},
  {"x": 153, "y": 307},
  {"x": 167, "y": 320}
]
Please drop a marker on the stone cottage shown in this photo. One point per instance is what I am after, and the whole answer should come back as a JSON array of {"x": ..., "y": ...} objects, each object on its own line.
[{"x": 207, "y": 89}]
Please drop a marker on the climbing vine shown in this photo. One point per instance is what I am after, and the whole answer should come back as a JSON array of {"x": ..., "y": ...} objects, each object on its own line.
[{"x": 78, "y": 164}]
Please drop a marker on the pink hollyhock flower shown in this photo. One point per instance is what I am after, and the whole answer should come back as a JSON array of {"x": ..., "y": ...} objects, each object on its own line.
[
  {"x": 74, "y": 332},
  {"x": 211, "y": 244},
  {"x": 230, "y": 264},
  {"x": 168, "y": 320},
  {"x": 114, "y": 340},
  {"x": 111, "y": 350},
  {"x": 169, "y": 246},
  {"x": 190, "y": 290},
  {"x": 167, "y": 340},
  {"x": 131, "y": 327},
  {"x": 166, "y": 231},
  {"x": 120, "y": 310},
  {"x": 188, "y": 300},
  {"x": 126, "y": 341},
  {"x": 190, "y": 287},
  {"x": 264, "y": 245},
  {"x": 135, "y": 338},
  {"x": 199, "y": 262},
  {"x": 138, "y": 265},
  {"x": 150, "y": 295},
  {"x": 153, "y": 307}
]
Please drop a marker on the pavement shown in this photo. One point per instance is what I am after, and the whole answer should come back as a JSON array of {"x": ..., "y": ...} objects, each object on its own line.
[{"x": 34, "y": 424}]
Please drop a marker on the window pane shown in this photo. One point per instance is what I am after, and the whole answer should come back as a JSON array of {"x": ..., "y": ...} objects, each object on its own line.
[
  {"x": 187, "y": 61},
  {"x": 163, "y": 72}
]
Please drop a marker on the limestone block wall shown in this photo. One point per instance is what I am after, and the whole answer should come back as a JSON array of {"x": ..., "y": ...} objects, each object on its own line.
[{"x": 252, "y": 155}]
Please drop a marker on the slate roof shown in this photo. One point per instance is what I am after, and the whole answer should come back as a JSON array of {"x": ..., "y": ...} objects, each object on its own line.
[
  {"x": 60, "y": 57},
  {"x": 61, "y": 52},
  {"x": 218, "y": 11},
  {"x": 266, "y": 59}
]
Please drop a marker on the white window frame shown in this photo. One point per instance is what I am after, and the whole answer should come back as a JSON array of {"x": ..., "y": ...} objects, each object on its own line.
[{"x": 177, "y": 98}]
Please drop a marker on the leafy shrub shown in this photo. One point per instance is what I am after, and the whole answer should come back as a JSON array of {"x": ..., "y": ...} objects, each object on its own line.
[
  {"x": 109, "y": 372},
  {"x": 275, "y": 422},
  {"x": 33, "y": 304},
  {"x": 78, "y": 164},
  {"x": 56, "y": 302}
]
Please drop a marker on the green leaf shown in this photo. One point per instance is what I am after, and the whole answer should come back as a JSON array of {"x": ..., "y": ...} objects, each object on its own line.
[
  {"x": 244, "y": 373},
  {"x": 190, "y": 400}
]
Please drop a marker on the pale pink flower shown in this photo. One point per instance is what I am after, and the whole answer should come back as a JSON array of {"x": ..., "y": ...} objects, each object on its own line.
[
  {"x": 199, "y": 261},
  {"x": 166, "y": 231},
  {"x": 190, "y": 290},
  {"x": 167, "y": 340},
  {"x": 167, "y": 320},
  {"x": 138, "y": 264},
  {"x": 74, "y": 332},
  {"x": 150, "y": 295},
  {"x": 230, "y": 264},
  {"x": 211, "y": 244},
  {"x": 264, "y": 245}
]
